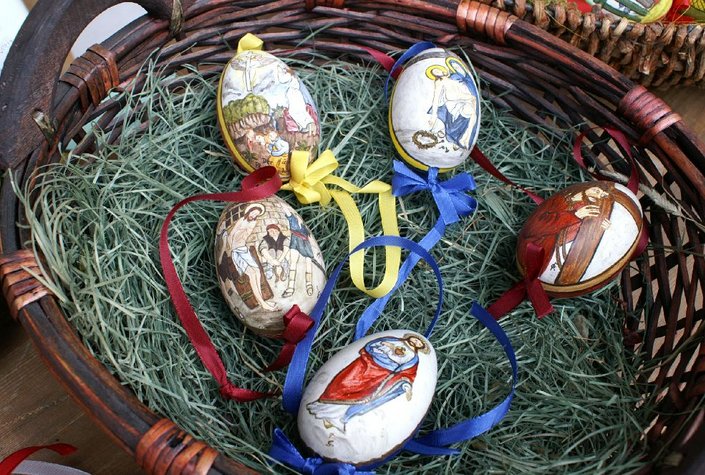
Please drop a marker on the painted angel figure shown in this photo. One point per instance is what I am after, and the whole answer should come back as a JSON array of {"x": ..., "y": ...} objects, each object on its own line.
[
  {"x": 385, "y": 370},
  {"x": 454, "y": 104}
]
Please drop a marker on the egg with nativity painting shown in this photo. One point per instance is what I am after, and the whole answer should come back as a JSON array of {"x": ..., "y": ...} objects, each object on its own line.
[
  {"x": 369, "y": 399},
  {"x": 265, "y": 112},
  {"x": 587, "y": 234},
  {"x": 434, "y": 110},
  {"x": 267, "y": 260}
]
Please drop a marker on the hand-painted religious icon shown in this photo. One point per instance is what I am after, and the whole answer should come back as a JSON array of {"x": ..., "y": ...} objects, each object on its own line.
[
  {"x": 588, "y": 232},
  {"x": 369, "y": 398},
  {"x": 265, "y": 112},
  {"x": 267, "y": 261},
  {"x": 434, "y": 111}
]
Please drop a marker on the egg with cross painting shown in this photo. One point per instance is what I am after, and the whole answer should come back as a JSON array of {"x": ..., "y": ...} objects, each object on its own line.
[
  {"x": 265, "y": 112},
  {"x": 434, "y": 110},
  {"x": 267, "y": 260},
  {"x": 369, "y": 399},
  {"x": 579, "y": 239}
]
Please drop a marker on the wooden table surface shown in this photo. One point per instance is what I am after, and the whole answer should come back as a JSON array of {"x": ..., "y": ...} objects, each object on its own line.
[{"x": 34, "y": 409}]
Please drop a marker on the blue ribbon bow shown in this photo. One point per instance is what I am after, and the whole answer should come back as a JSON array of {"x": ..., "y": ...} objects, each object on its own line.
[
  {"x": 453, "y": 204},
  {"x": 450, "y": 195},
  {"x": 285, "y": 452}
]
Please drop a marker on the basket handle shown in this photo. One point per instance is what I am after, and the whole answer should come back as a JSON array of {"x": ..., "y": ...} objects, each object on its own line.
[{"x": 30, "y": 74}]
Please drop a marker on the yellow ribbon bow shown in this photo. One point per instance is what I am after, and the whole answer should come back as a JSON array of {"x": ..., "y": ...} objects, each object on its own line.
[{"x": 308, "y": 182}]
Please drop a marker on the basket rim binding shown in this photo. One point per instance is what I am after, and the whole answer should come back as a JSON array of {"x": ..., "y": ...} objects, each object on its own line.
[{"x": 158, "y": 444}]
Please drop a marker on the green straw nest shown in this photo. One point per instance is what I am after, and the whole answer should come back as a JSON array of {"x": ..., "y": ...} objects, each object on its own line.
[{"x": 96, "y": 221}]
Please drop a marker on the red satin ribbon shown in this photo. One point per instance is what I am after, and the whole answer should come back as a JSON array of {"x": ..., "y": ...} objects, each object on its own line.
[
  {"x": 530, "y": 286},
  {"x": 12, "y": 461},
  {"x": 260, "y": 184},
  {"x": 632, "y": 183},
  {"x": 621, "y": 139},
  {"x": 296, "y": 324},
  {"x": 386, "y": 61}
]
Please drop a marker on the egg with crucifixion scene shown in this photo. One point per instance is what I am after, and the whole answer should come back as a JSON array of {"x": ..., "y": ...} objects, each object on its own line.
[
  {"x": 365, "y": 402},
  {"x": 587, "y": 233},
  {"x": 434, "y": 110},
  {"x": 267, "y": 261}
]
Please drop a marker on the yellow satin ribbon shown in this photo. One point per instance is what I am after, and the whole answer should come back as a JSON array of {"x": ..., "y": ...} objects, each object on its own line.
[
  {"x": 249, "y": 42},
  {"x": 308, "y": 182}
]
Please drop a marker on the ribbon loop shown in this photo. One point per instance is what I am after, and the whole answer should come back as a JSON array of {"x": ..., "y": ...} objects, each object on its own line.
[
  {"x": 530, "y": 286},
  {"x": 435, "y": 442},
  {"x": 293, "y": 386},
  {"x": 452, "y": 202},
  {"x": 309, "y": 183},
  {"x": 249, "y": 42},
  {"x": 296, "y": 324},
  {"x": 260, "y": 184}
]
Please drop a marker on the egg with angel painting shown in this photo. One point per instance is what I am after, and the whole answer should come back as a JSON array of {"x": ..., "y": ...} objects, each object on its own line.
[
  {"x": 267, "y": 261},
  {"x": 365, "y": 402},
  {"x": 434, "y": 110}
]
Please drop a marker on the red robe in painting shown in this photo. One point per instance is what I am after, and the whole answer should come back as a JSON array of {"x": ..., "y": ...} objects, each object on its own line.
[
  {"x": 555, "y": 225},
  {"x": 362, "y": 379}
]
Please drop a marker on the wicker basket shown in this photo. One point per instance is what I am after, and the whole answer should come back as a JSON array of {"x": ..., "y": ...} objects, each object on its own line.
[
  {"x": 654, "y": 54},
  {"x": 543, "y": 80}
]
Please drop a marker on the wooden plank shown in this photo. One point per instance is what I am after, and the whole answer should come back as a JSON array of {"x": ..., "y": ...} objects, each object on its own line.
[{"x": 35, "y": 410}]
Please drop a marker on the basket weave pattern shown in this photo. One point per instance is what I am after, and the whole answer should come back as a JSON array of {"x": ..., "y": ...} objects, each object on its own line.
[
  {"x": 654, "y": 54},
  {"x": 540, "y": 79}
]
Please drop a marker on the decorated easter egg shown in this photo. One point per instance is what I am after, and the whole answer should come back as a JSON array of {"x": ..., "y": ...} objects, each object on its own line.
[
  {"x": 267, "y": 261},
  {"x": 434, "y": 110},
  {"x": 588, "y": 232},
  {"x": 265, "y": 112},
  {"x": 367, "y": 400}
]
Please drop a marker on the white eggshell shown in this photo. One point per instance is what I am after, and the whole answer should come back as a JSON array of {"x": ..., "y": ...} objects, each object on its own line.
[
  {"x": 265, "y": 112},
  {"x": 434, "y": 110},
  {"x": 588, "y": 232},
  {"x": 266, "y": 243},
  {"x": 369, "y": 398}
]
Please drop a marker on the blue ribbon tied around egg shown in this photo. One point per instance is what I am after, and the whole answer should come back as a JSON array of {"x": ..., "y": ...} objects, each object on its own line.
[{"x": 436, "y": 442}]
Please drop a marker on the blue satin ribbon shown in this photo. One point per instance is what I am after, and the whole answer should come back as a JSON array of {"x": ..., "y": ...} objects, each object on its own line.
[
  {"x": 295, "y": 376},
  {"x": 453, "y": 203},
  {"x": 285, "y": 452},
  {"x": 408, "y": 54},
  {"x": 435, "y": 442}
]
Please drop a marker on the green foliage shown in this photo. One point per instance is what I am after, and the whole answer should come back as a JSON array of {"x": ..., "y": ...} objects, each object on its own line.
[{"x": 250, "y": 104}]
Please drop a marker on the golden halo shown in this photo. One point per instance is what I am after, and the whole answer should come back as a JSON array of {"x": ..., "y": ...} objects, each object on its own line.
[
  {"x": 430, "y": 69},
  {"x": 455, "y": 65}
]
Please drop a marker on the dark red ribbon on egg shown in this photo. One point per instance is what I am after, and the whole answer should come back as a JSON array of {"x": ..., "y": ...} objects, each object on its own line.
[{"x": 260, "y": 184}]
